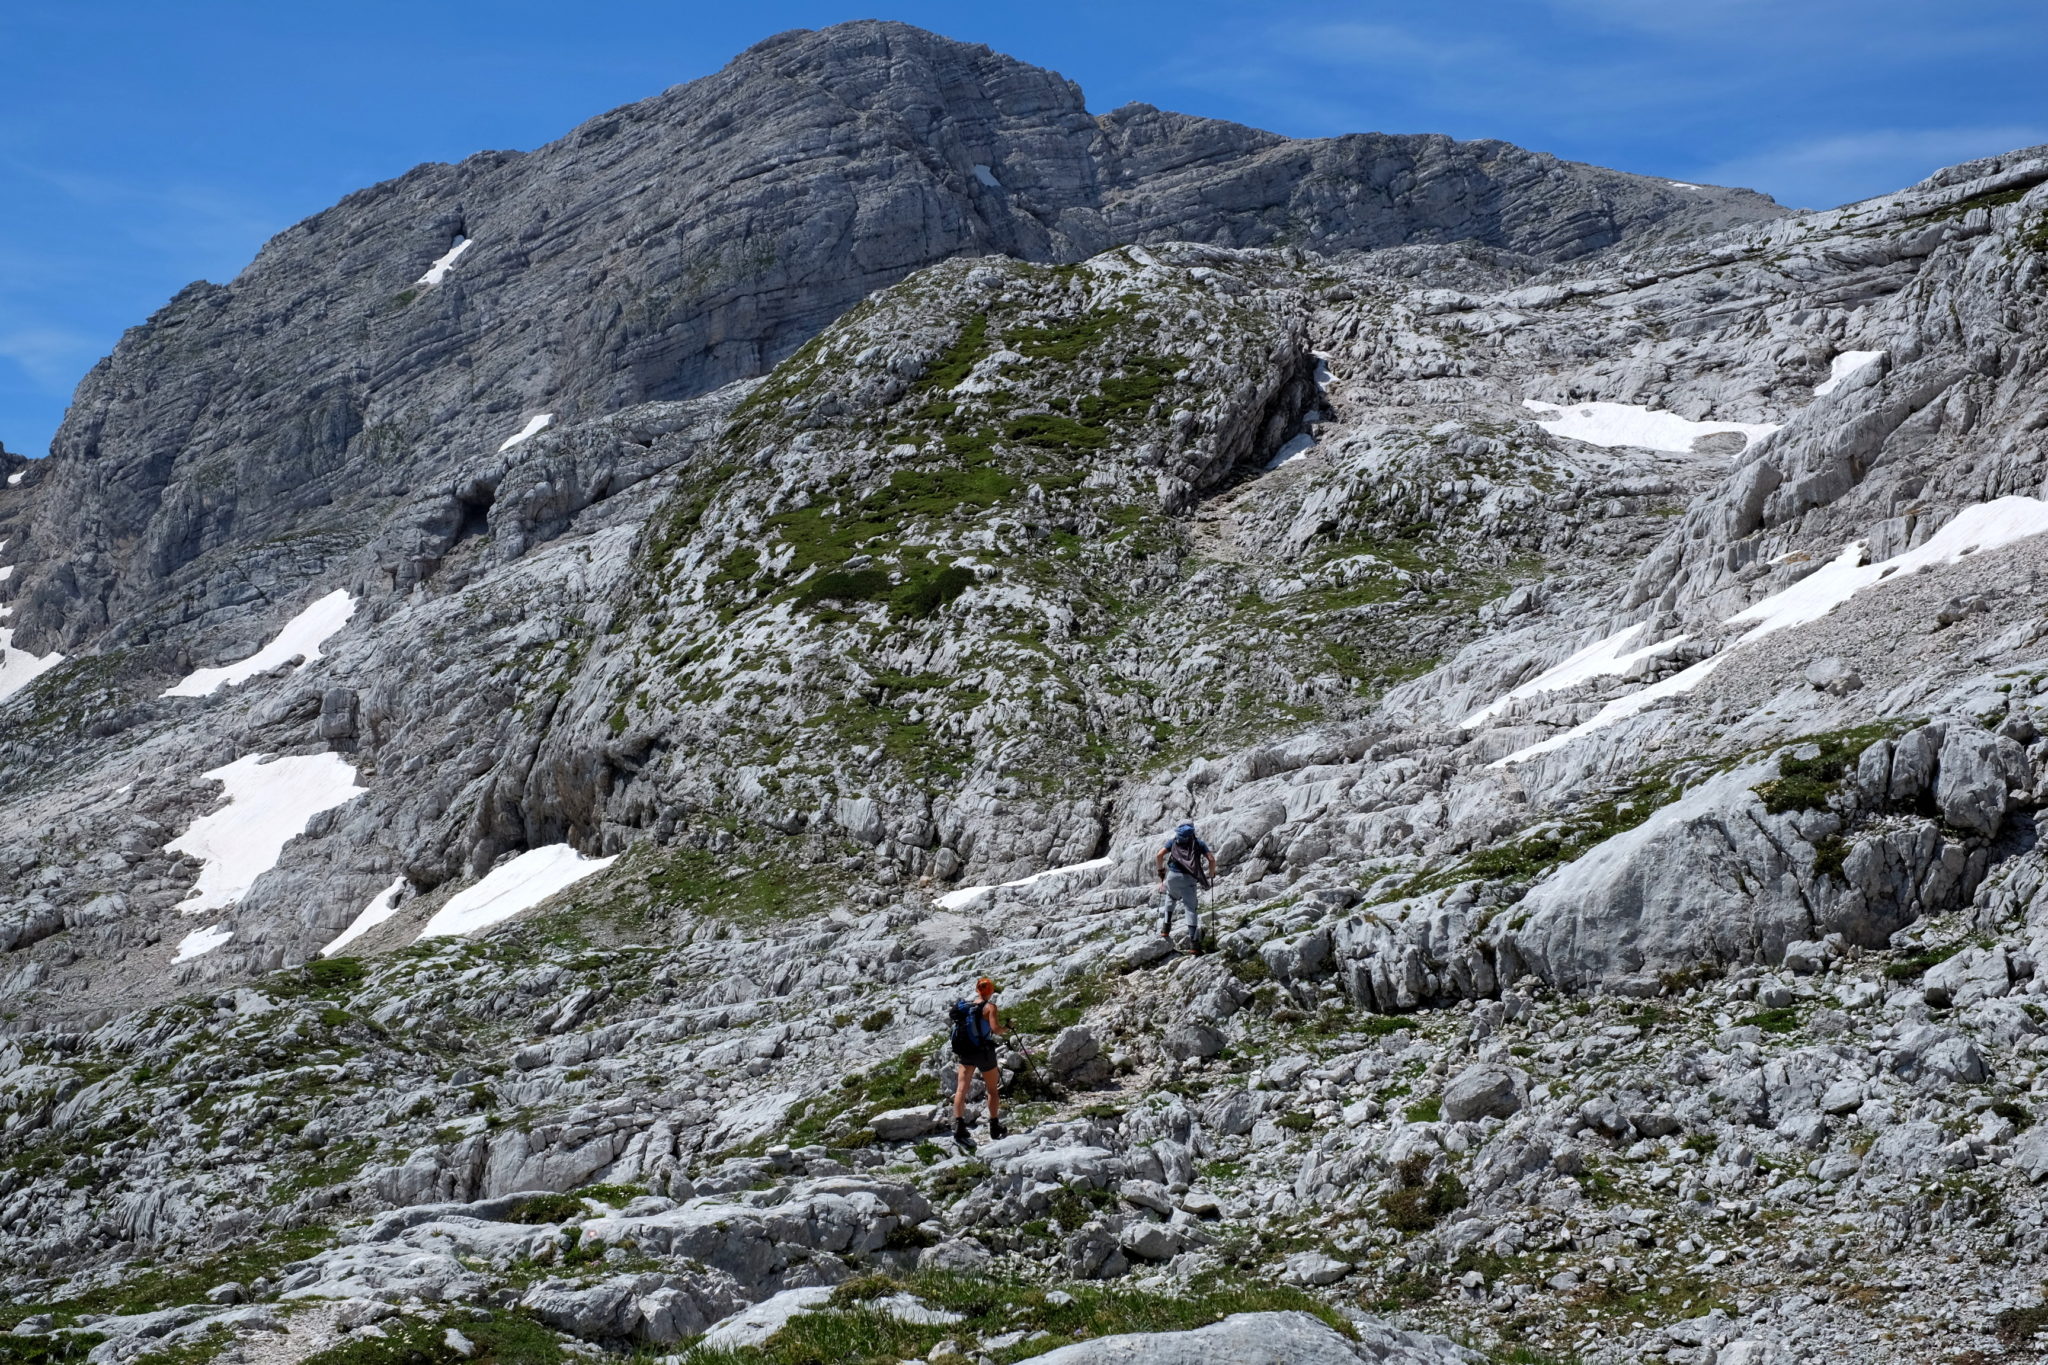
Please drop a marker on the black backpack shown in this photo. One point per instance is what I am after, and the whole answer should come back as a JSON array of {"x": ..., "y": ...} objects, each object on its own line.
[{"x": 971, "y": 1032}]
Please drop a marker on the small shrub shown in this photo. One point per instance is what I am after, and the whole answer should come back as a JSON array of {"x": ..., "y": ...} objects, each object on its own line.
[
  {"x": 1916, "y": 966},
  {"x": 2017, "y": 1327},
  {"x": 1251, "y": 967},
  {"x": 1781, "y": 1019},
  {"x": 546, "y": 1208},
  {"x": 1296, "y": 1121},
  {"x": 878, "y": 1021},
  {"x": 1418, "y": 1206},
  {"x": 1429, "y": 1110},
  {"x": 863, "y": 585}
]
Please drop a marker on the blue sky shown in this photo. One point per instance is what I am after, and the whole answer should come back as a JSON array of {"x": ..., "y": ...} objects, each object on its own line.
[{"x": 145, "y": 145}]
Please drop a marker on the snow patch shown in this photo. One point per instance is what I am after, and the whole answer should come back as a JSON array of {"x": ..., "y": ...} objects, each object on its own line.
[
  {"x": 438, "y": 271},
  {"x": 382, "y": 906},
  {"x": 300, "y": 639},
  {"x": 269, "y": 805},
  {"x": 533, "y": 424},
  {"x": 1629, "y": 424},
  {"x": 970, "y": 897},
  {"x": 1842, "y": 366},
  {"x": 201, "y": 941},
  {"x": 519, "y": 885},
  {"x": 1299, "y": 445},
  {"x": 15, "y": 478},
  {"x": 18, "y": 667},
  {"x": 1681, "y": 185},
  {"x": 987, "y": 176},
  {"x": 1599, "y": 659},
  {"x": 1618, "y": 710},
  {"x": 1985, "y": 526}
]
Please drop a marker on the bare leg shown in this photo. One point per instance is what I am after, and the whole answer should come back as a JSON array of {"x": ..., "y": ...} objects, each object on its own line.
[
  {"x": 960, "y": 1091},
  {"x": 988, "y": 1079}
]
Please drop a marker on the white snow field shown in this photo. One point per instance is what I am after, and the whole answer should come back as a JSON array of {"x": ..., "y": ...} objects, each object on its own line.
[
  {"x": 519, "y": 885},
  {"x": 15, "y": 477},
  {"x": 269, "y": 805},
  {"x": 201, "y": 941},
  {"x": 1298, "y": 446},
  {"x": 1627, "y": 424},
  {"x": 18, "y": 667},
  {"x": 971, "y": 897},
  {"x": 300, "y": 638},
  {"x": 1620, "y": 709},
  {"x": 382, "y": 906},
  {"x": 1602, "y": 657},
  {"x": 533, "y": 424},
  {"x": 1983, "y": 526},
  {"x": 1842, "y": 366},
  {"x": 438, "y": 271}
]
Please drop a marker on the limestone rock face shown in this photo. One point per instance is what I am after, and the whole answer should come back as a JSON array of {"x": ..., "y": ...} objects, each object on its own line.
[{"x": 658, "y": 252}]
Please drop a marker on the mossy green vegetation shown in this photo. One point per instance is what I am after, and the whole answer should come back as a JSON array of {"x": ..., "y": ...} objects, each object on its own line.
[
  {"x": 497, "y": 1338},
  {"x": 852, "y": 1331},
  {"x": 1807, "y": 783},
  {"x": 158, "y": 1287},
  {"x": 745, "y": 888},
  {"x": 1559, "y": 842}
]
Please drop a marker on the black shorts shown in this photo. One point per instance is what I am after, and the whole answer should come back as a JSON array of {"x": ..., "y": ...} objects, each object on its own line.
[{"x": 981, "y": 1058}]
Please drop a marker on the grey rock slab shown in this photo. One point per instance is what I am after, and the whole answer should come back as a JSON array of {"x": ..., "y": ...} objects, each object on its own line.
[
  {"x": 1267, "y": 1339},
  {"x": 753, "y": 1325},
  {"x": 1485, "y": 1091},
  {"x": 906, "y": 1125}
]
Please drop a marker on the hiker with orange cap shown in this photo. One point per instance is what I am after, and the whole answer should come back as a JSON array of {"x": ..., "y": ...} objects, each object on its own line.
[{"x": 975, "y": 1029}]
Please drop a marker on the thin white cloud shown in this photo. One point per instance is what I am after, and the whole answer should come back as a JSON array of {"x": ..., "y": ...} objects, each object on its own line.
[
  {"x": 53, "y": 358},
  {"x": 1822, "y": 172}
]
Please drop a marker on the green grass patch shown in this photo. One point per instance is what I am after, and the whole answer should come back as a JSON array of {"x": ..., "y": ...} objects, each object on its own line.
[
  {"x": 546, "y": 1208},
  {"x": 1419, "y": 1205},
  {"x": 173, "y": 1286},
  {"x": 958, "y": 359},
  {"x": 1807, "y": 783},
  {"x": 500, "y": 1339},
  {"x": 853, "y": 1332},
  {"x": 1914, "y": 967},
  {"x": 1049, "y": 1012},
  {"x": 1778, "y": 1019}
]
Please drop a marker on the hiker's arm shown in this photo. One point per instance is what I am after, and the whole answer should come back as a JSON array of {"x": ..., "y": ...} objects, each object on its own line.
[
  {"x": 1159, "y": 864},
  {"x": 995, "y": 1024},
  {"x": 1212, "y": 864}
]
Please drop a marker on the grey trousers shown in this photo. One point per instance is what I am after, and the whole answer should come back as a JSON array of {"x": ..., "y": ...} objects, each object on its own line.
[{"x": 1181, "y": 891}]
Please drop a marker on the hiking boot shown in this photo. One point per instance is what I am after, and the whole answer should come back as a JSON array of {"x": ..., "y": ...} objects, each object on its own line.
[
  {"x": 996, "y": 1129},
  {"x": 961, "y": 1135}
]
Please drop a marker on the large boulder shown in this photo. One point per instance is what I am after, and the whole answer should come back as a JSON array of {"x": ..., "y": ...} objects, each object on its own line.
[
  {"x": 1970, "y": 976},
  {"x": 1483, "y": 1091},
  {"x": 1977, "y": 773}
]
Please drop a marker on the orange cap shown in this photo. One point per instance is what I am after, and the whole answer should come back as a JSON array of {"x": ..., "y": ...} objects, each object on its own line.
[{"x": 985, "y": 986}]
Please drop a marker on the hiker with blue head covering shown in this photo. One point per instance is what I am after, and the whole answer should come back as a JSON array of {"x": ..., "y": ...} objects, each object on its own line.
[{"x": 1185, "y": 867}]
